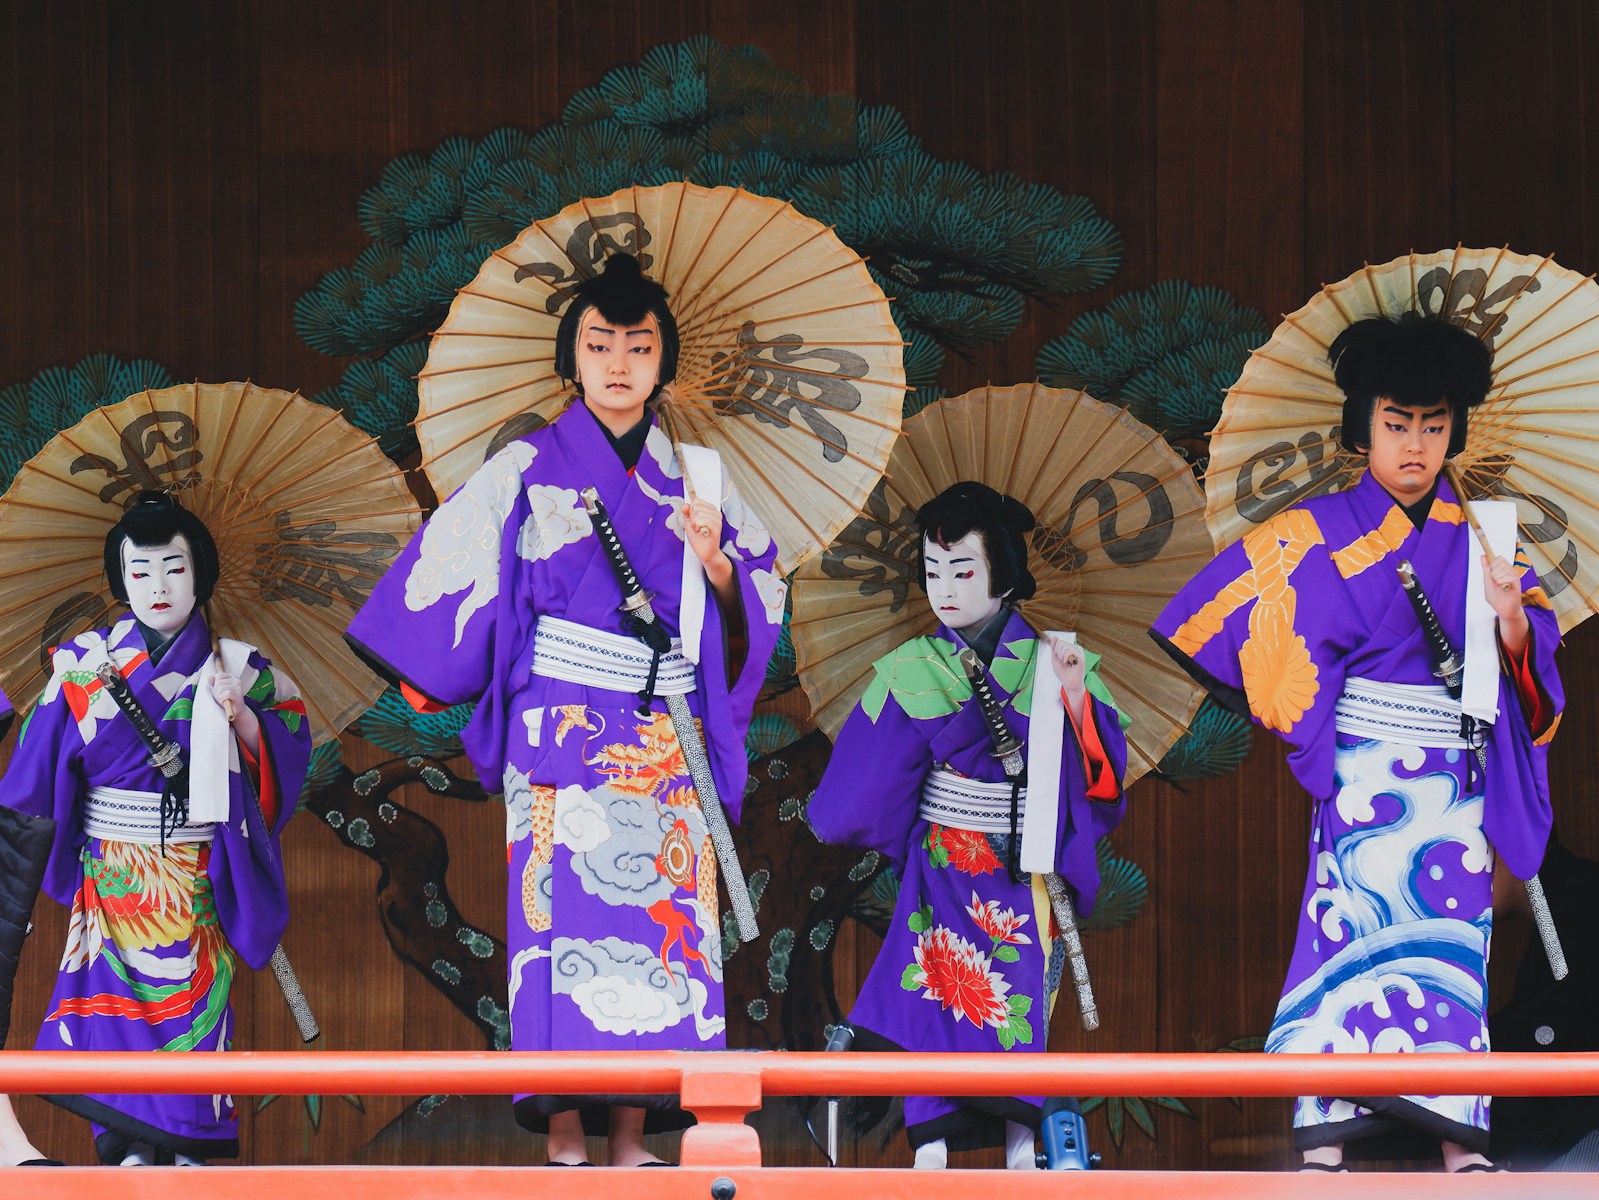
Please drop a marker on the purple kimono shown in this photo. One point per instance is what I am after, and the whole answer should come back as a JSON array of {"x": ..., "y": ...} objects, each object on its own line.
[
  {"x": 971, "y": 960},
  {"x": 157, "y": 923},
  {"x": 613, "y": 931},
  {"x": 1303, "y": 625}
]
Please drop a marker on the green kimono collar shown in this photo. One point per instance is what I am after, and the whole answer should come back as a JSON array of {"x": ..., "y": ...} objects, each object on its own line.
[{"x": 925, "y": 677}]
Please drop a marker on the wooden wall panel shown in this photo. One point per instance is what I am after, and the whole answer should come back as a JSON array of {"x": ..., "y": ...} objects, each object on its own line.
[
  {"x": 1230, "y": 166},
  {"x": 178, "y": 174},
  {"x": 329, "y": 90},
  {"x": 815, "y": 40},
  {"x": 182, "y": 259},
  {"x": 1525, "y": 104},
  {"x": 53, "y": 142},
  {"x": 1379, "y": 162},
  {"x": 1229, "y": 212}
]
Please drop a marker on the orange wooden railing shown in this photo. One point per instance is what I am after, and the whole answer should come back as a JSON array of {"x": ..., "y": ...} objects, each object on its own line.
[{"x": 721, "y": 1152}]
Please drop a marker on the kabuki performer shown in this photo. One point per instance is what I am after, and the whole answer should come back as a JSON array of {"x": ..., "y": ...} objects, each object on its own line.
[
  {"x": 170, "y": 880},
  {"x": 973, "y": 959},
  {"x": 509, "y": 597},
  {"x": 1338, "y": 624}
]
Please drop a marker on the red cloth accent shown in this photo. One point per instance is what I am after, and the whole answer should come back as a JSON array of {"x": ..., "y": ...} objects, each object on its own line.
[
  {"x": 1534, "y": 703},
  {"x": 418, "y": 701},
  {"x": 266, "y": 784},
  {"x": 1096, "y": 764}
]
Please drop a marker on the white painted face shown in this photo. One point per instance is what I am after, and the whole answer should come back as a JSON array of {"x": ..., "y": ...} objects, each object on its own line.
[
  {"x": 160, "y": 583},
  {"x": 959, "y": 585}
]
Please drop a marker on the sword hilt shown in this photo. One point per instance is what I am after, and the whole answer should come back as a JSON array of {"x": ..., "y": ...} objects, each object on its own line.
[
  {"x": 1448, "y": 664},
  {"x": 1007, "y": 746},
  {"x": 165, "y": 755},
  {"x": 634, "y": 598}
]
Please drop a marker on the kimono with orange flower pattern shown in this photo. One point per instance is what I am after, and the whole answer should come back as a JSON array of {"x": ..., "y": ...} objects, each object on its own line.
[
  {"x": 972, "y": 960},
  {"x": 156, "y": 931},
  {"x": 1391, "y": 946},
  {"x": 613, "y": 930}
]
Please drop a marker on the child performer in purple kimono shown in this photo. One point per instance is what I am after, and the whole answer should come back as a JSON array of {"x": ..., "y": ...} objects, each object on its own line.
[
  {"x": 1304, "y": 626},
  {"x": 973, "y": 960},
  {"x": 170, "y": 883},
  {"x": 506, "y": 597}
]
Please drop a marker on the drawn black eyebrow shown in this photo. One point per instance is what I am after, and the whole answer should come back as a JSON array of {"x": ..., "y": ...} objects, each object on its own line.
[
  {"x": 1404, "y": 411},
  {"x": 630, "y": 333}
]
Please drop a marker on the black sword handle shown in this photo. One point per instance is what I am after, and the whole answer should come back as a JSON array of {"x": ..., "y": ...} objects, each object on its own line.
[
  {"x": 1447, "y": 664},
  {"x": 640, "y": 613},
  {"x": 634, "y": 598},
  {"x": 1005, "y": 742},
  {"x": 165, "y": 756}
]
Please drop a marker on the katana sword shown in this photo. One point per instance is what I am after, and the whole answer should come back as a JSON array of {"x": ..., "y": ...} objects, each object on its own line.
[
  {"x": 640, "y": 614},
  {"x": 166, "y": 756},
  {"x": 1450, "y": 667},
  {"x": 1448, "y": 664},
  {"x": 1008, "y": 749}
]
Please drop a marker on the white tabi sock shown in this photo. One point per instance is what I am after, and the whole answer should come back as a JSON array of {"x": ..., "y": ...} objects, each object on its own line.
[
  {"x": 932, "y": 1156},
  {"x": 1019, "y": 1154},
  {"x": 183, "y": 1160},
  {"x": 139, "y": 1154}
]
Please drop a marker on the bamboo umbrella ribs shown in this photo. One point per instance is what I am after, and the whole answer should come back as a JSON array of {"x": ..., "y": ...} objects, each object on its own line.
[
  {"x": 306, "y": 512},
  {"x": 790, "y": 364}
]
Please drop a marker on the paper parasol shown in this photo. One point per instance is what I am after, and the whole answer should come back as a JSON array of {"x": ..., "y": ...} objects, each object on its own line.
[
  {"x": 1532, "y": 441},
  {"x": 306, "y": 512},
  {"x": 790, "y": 363},
  {"x": 1120, "y": 529}
]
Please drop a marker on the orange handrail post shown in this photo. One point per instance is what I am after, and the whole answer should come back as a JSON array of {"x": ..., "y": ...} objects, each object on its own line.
[{"x": 720, "y": 1100}]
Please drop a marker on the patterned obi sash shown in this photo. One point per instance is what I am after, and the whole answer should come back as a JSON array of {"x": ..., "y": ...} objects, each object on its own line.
[
  {"x": 1409, "y": 714},
  {"x": 598, "y": 658},
  {"x": 124, "y": 815},
  {"x": 961, "y": 803}
]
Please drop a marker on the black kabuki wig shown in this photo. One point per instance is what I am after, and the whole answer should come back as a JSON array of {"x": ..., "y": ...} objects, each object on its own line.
[
  {"x": 624, "y": 294},
  {"x": 1416, "y": 362},
  {"x": 154, "y": 519},
  {"x": 1001, "y": 522}
]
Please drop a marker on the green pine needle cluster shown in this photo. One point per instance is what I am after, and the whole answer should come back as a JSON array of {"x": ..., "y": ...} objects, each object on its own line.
[
  {"x": 378, "y": 397},
  {"x": 395, "y": 726},
  {"x": 1168, "y": 354},
  {"x": 960, "y": 251},
  {"x": 1216, "y": 742},
  {"x": 1123, "y": 889},
  {"x": 32, "y": 413}
]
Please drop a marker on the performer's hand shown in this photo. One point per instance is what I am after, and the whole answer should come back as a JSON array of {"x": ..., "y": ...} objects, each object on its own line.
[
  {"x": 228, "y": 690},
  {"x": 702, "y": 526},
  {"x": 1502, "y": 583},
  {"x": 1070, "y": 667}
]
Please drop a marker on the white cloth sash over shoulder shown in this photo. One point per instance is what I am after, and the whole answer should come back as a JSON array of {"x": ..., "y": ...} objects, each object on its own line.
[
  {"x": 581, "y": 654},
  {"x": 704, "y": 469},
  {"x": 213, "y": 750},
  {"x": 1479, "y": 695},
  {"x": 1045, "y": 744}
]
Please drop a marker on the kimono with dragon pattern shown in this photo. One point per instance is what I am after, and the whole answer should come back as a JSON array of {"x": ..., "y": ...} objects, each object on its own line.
[
  {"x": 613, "y": 928},
  {"x": 1301, "y": 616},
  {"x": 156, "y": 930},
  {"x": 972, "y": 959}
]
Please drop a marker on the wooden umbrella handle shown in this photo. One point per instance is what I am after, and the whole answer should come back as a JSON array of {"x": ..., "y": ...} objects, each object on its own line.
[{"x": 1453, "y": 475}]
